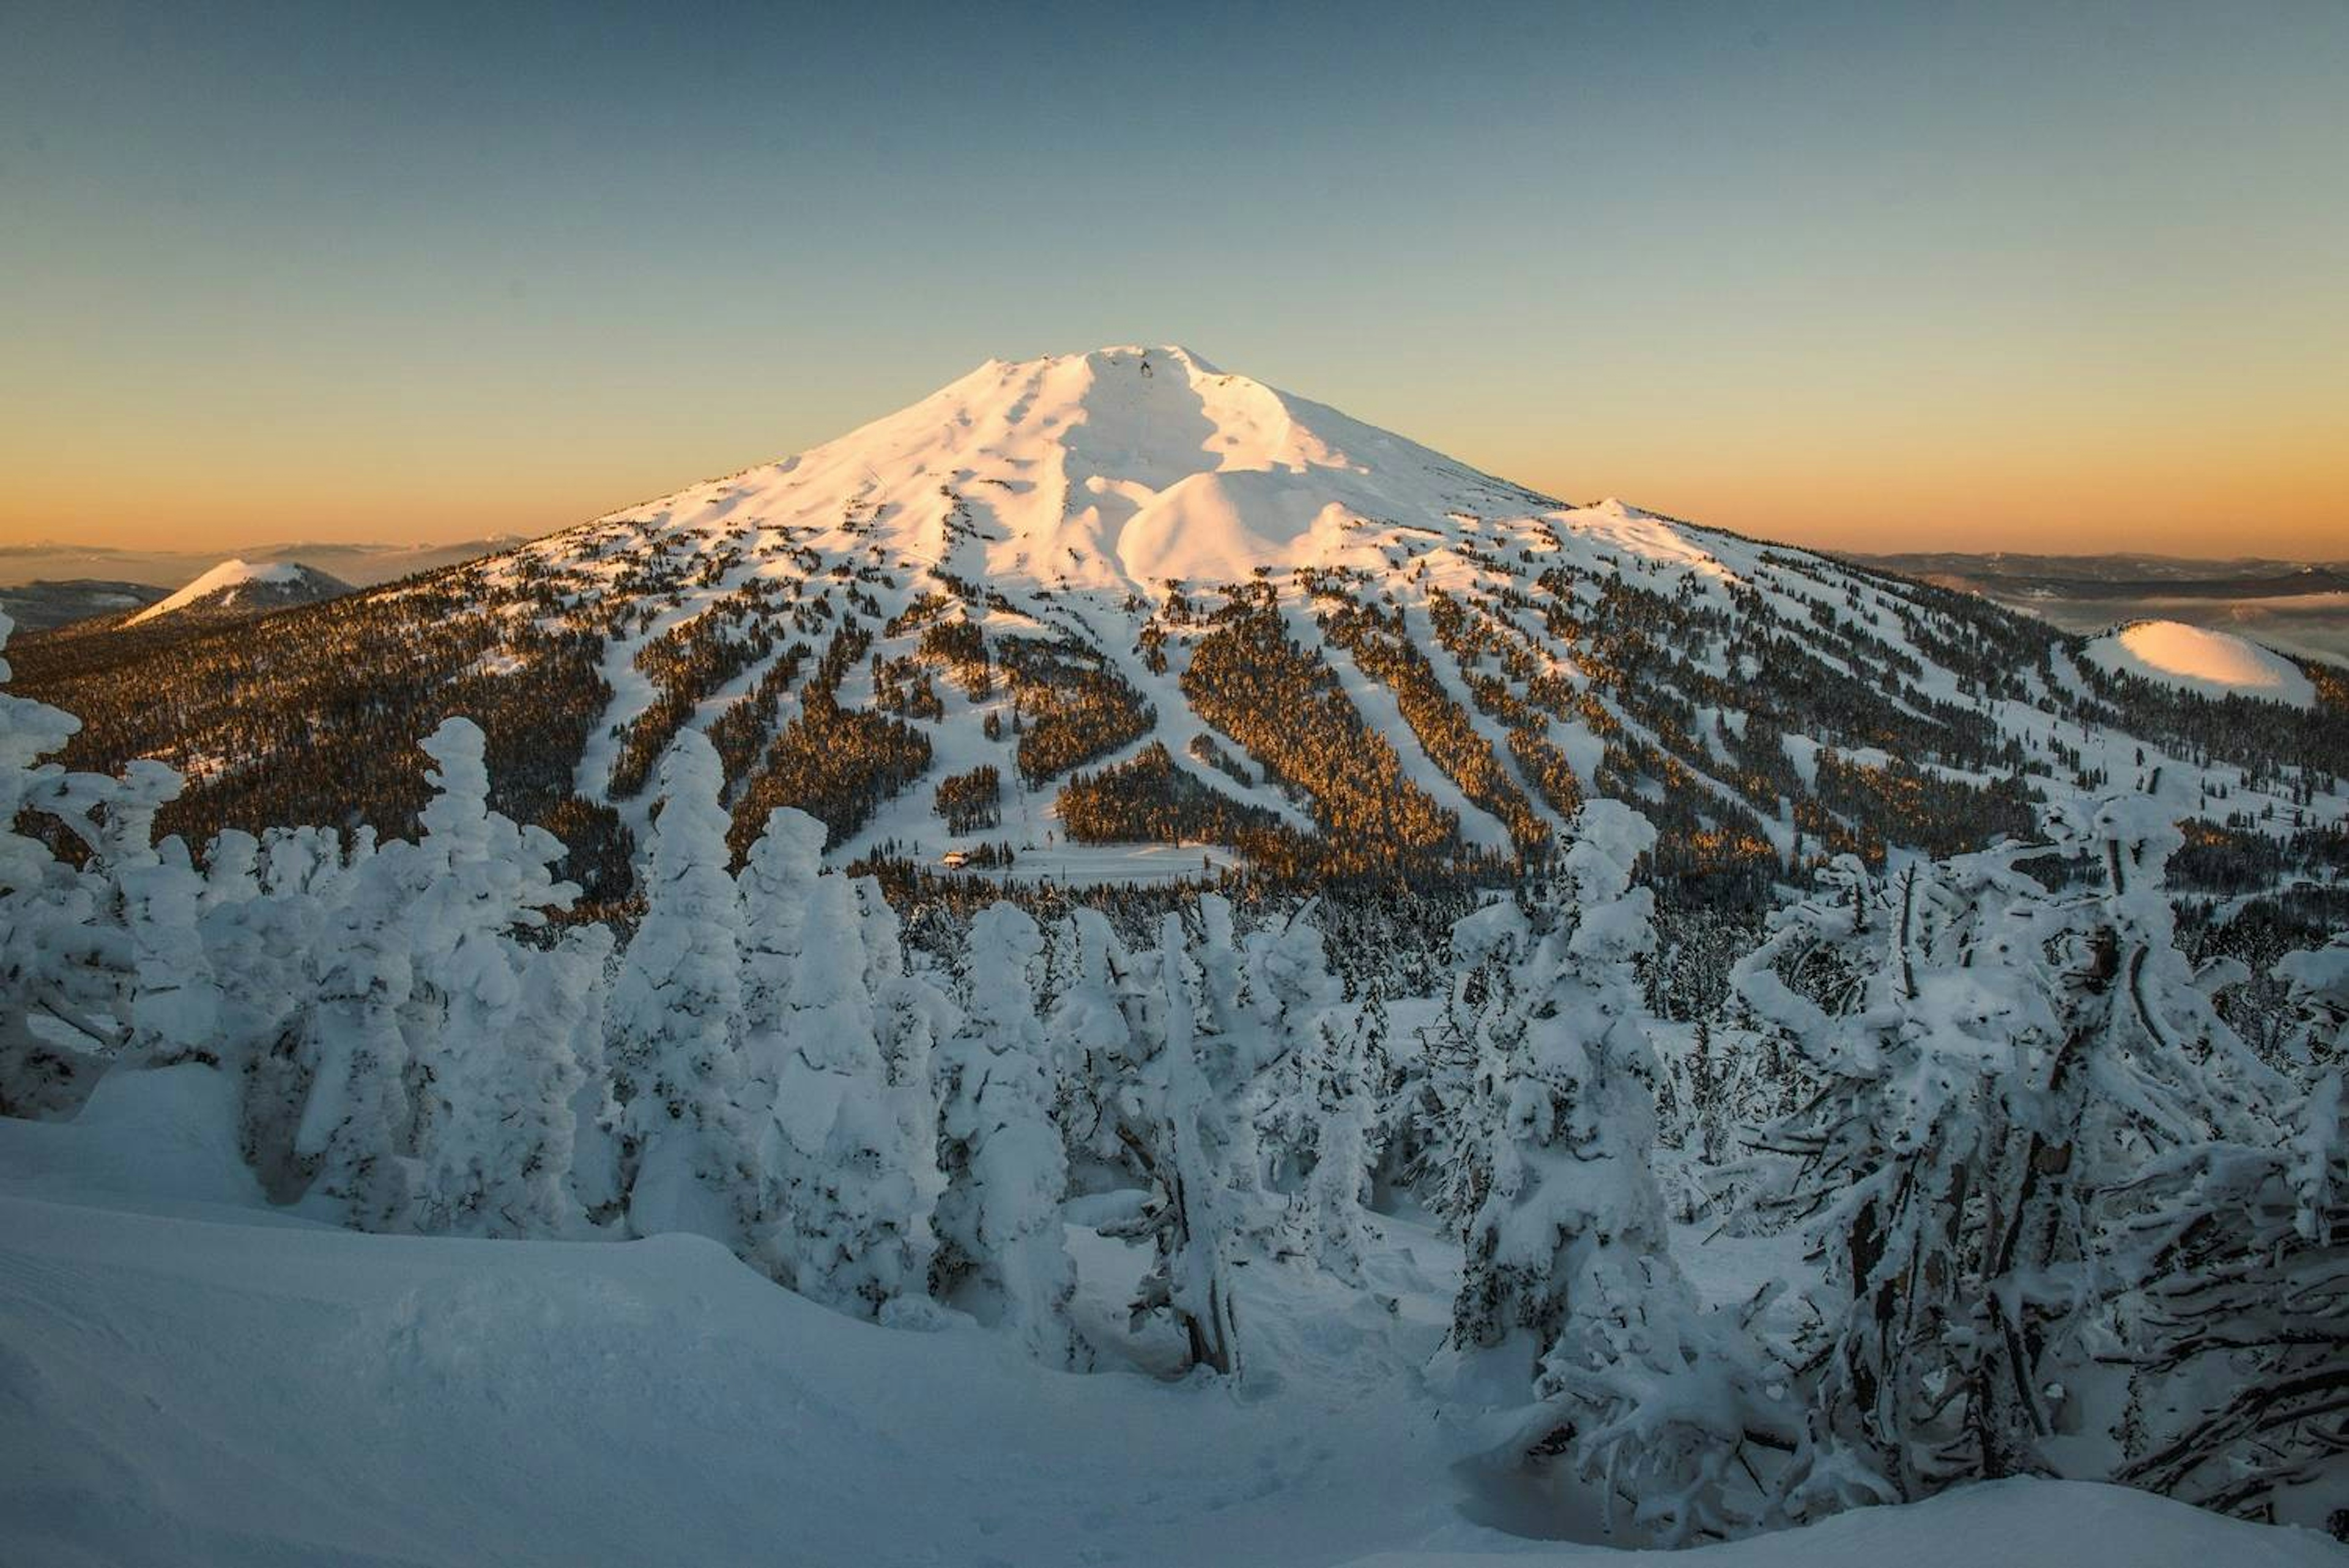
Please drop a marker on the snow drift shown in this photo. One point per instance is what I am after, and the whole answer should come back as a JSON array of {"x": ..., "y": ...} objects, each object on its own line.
[{"x": 230, "y": 1384}]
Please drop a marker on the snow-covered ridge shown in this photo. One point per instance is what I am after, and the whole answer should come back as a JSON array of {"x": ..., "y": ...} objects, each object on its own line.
[
  {"x": 2215, "y": 663},
  {"x": 236, "y": 584}
]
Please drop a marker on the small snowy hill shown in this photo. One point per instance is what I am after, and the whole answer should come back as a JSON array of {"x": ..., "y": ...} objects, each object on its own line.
[
  {"x": 2197, "y": 659},
  {"x": 243, "y": 588},
  {"x": 187, "y": 1377}
]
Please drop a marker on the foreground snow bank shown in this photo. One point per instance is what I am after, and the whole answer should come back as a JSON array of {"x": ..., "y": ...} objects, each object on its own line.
[
  {"x": 2010, "y": 1524},
  {"x": 186, "y": 1377}
]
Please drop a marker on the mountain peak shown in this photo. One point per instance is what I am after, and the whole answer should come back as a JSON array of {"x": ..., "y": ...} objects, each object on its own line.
[{"x": 1118, "y": 468}]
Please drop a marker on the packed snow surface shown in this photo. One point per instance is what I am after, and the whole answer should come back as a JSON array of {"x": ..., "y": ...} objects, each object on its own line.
[
  {"x": 225, "y": 582},
  {"x": 2216, "y": 663},
  {"x": 187, "y": 1377}
]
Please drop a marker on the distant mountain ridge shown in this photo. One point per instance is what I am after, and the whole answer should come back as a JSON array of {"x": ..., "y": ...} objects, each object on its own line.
[
  {"x": 43, "y": 605},
  {"x": 363, "y": 566},
  {"x": 2115, "y": 567},
  {"x": 2300, "y": 607}
]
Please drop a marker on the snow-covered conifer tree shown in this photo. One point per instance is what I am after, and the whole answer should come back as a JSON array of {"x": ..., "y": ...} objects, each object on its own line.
[
  {"x": 1569, "y": 1189},
  {"x": 1569, "y": 1280},
  {"x": 2006, "y": 1058},
  {"x": 65, "y": 953},
  {"x": 851, "y": 1201},
  {"x": 356, "y": 1136},
  {"x": 999, "y": 1221},
  {"x": 911, "y": 1014},
  {"x": 266, "y": 913},
  {"x": 496, "y": 1133},
  {"x": 1345, "y": 1063},
  {"x": 148, "y": 900},
  {"x": 2239, "y": 1326},
  {"x": 1440, "y": 1129},
  {"x": 1315, "y": 1094},
  {"x": 1098, "y": 1031},
  {"x": 686, "y": 1161},
  {"x": 2318, "y": 1036},
  {"x": 778, "y": 883},
  {"x": 502, "y": 1157},
  {"x": 1183, "y": 1149}
]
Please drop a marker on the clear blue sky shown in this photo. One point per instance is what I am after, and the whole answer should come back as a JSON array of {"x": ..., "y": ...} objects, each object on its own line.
[{"x": 1958, "y": 275}]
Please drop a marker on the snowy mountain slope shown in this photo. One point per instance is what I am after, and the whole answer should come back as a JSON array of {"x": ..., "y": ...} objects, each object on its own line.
[
  {"x": 1080, "y": 492},
  {"x": 222, "y": 1383},
  {"x": 242, "y": 587},
  {"x": 1071, "y": 566}
]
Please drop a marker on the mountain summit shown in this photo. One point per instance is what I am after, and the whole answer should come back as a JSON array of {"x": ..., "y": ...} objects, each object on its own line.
[{"x": 1120, "y": 468}]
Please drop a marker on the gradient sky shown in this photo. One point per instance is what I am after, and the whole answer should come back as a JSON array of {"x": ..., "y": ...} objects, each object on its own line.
[{"x": 2040, "y": 276}]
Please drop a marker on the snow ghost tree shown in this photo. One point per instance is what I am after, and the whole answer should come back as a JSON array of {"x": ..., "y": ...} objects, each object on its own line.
[
  {"x": 1569, "y": 1282},
  {"x": 677, "y": 1079},
  {"x": 1922, "y": 1121},
  {"x": 850, "y": 1198},
  {"x": 60, "y": 976},
  {"x": 2318, "y": 1035},
  {"x": 778, "y": 883},
  {"x": 911, "y": 1014},
  {"x": 1183, "y": 1149},
  {"x": 2004, "y": 1058},
  {"x": 265, "y": 916},
  {"x": 173, "y": 1004},
  {"x": 999, "y": 1221},
  {"x": 496, "y": 1132},
  {"x": 1340, "y": 1071},
  {"x": 2240, "y": 1326},
  {"x": 1440, "y": 1126},
  {"x": 1100, "y": 1029},
  {"x": 356, "y": 1133},
  {"x": 1315, "y": 1106}
]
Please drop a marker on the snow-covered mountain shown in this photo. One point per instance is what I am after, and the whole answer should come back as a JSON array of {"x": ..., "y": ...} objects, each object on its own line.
[
  {"x": 1086, "y": 604},
  {"x": 244, "y": 588}
]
